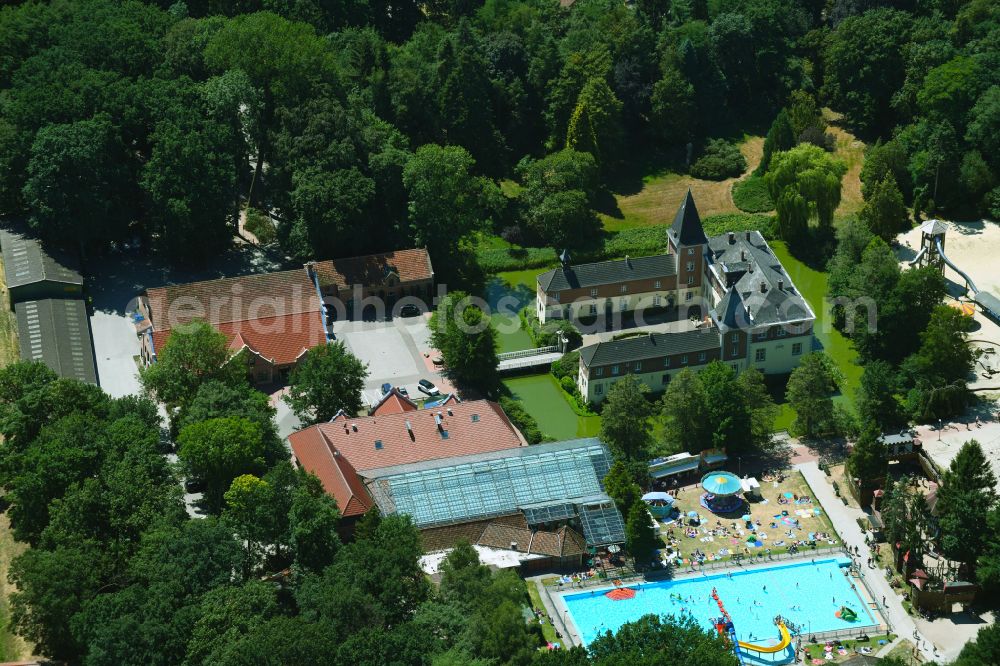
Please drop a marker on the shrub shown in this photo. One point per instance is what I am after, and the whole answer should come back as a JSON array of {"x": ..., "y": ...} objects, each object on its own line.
[
  {"x": 260, "y": 225},
  {"x": 720, "y": 160},
  {"x": 524, "y": 421},
  {"x": 545, "y": 335},
  {"x": 566, "y": 366},
  {"x": 751, "y": 195},
  {"x": 512, "y": 234},
  {"x": 567, "y": 385},
  {"x": 720, "y": 224},
  {"x": 818, "y": 137}
]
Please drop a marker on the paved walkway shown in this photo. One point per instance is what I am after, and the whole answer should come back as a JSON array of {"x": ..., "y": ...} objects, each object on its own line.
[{"x": 845, "y": 520}]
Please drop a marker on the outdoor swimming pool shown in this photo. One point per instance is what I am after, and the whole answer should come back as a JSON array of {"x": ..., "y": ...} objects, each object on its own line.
[{"x": 807, "y": 594}]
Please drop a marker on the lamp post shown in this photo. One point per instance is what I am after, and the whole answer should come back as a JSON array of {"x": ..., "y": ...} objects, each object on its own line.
[{"x": 939, "y": 429}]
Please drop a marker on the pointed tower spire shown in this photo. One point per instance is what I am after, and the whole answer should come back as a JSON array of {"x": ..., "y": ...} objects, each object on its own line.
[{"x": 687, "y": 229}]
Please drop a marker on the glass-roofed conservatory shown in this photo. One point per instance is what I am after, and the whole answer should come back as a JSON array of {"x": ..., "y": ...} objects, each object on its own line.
[{"x": 558, "y": 482}]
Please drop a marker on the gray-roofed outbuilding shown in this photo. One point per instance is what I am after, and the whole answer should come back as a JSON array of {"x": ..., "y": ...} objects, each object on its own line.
[
  {"x": 56, "y": 331},
  {"x": 649, "y": 345},
  {"x": 600, "y": 273},
  {"x": 33, "y": 273}
]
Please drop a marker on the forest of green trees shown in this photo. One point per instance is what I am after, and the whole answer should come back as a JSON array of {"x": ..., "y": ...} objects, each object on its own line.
[{"x": 367, "y": 124}]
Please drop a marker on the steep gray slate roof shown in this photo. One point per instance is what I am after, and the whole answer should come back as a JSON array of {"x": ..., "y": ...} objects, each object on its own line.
[
  {"x": 652, "y": 345},
  {"x": 755, "y": 264},
  {"x": 26, "y": 262},
  {"x": 687, "y": 229},
  {"x": 608, "y": 272},
  {"x": 56, "y": 332},
  {"x": 731, "y": 313}
]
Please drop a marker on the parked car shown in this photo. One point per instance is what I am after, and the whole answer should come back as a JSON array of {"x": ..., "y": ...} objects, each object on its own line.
[
  {"x": 409, "y": 310},
  {"x": 386, "y": 388},
  {"x": 428, "y": 387},
  {"x": 403, "y": 392},
  {"x": 438, "y": 361}
]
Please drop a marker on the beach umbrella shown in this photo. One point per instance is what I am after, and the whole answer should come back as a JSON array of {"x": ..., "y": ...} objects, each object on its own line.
[
  {"x": 747, "y": 516},
  {"x": 692, "y": 514}
]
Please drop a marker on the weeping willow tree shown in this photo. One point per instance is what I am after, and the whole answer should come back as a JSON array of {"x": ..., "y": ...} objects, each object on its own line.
[{"x": 808, "y": 173}]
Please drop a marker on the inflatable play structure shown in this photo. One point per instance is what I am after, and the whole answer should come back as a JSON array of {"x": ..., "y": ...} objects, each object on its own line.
[
  {"x": 724, "y": 625},
  {"x": 932, "y": 254},
  {"x": 847, "y": 614}
]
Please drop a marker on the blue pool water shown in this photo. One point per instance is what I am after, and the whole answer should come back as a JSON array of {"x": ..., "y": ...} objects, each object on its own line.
[{"x": 816, "y": 590}]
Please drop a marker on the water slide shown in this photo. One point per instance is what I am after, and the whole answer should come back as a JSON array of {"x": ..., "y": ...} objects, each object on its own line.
[
  {"x": 785, "y": 641},
  {"x": 726, "y": 623},
  {"x": 916, "y": 259},
  {"x": 968, "y": 280}
]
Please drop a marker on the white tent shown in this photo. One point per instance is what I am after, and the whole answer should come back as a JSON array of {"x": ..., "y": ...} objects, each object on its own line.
[{"x": 665, "y": 497}]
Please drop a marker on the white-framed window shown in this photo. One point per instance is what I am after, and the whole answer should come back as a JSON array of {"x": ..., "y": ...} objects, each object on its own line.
[
  {"x": 593, "y": 309},
  {"x": 761, "y": 355},
  {"x": 688, "y": 296},
  {"x": 599, "y": 372},
  {"x": 656, "y": 300},
  {"x": 614, "y": 369},
  {"x": 736, "y": 368},
  {"x": 623, "y": 304},
  {"x": 624, "y": 288},
  {"x": 782, "y": 332},
  {"x": 666, "y": 362},
  {"x": 666, "y": 379},
  {"x": 690, "y": 266},
  {"x": 599, "y": 389},
  {"x": 736, "y": 349},
  {"x": 701, "y": 357},
  {"x": 796, "y": 349},
  {"x": 735, "y": 337},
  {"x": 656, "y": 285},
  {"x": 556, "y": 296},
  {"x": 593, "y": 292},
  {"x": 690, "y": 280},
  {"x": 684, "y": 359},
  {"x": 638, "y": 366}
]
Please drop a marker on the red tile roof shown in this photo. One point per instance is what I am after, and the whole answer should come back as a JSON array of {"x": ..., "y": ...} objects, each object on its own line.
[
  {"x": 372, "y": 270},
  {"x": 473, "y": 427},
  {"x": 393, "y": 402},
  {"x": 280, "y": 340},
  {"x": 337, "y": 476},
  {"x": 243, "y": 298}
]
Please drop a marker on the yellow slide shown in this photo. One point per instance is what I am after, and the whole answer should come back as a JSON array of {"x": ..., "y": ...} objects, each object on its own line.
[{"x": 786, "y": 640}]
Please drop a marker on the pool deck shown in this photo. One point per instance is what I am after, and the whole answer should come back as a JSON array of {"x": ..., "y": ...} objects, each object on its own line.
[
  {"x": 563, "y": 619},
  {"x": 844, "y": 519}
]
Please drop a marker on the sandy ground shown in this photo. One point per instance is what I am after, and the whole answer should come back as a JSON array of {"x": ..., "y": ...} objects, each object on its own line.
[
  {"x": 943, "y": 444},
  {"x": 973, "y": 247}
]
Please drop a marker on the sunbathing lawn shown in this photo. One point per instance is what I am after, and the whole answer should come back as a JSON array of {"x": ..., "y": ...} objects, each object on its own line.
[
  {"x": 817, "y": 651},
  {"x": 548, "y": 631},
  {"x": 688, "y": 499},
  {"x": 812, "y": 284},
  {"x": 543, "y": 399}
]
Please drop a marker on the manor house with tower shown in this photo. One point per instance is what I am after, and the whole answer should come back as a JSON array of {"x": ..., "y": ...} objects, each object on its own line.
[{"x": 730, "y": 295}]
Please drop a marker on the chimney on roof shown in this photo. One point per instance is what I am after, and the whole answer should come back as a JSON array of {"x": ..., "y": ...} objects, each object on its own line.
[
  {"x": 748, "y": 235},
  {"x": 409, "y": 430},
  {"x": 310, "y": 267},
  {"x": 781, "y": 285},
  {"x": 763, "y": 287},
  {"x": 750, "y": 267},
  {"x": 743, "y": 255},
  {"x": 450, "y": 413},
  {"x": 732, "y": 238},
  {"x": 354, "y": 427},
  {"x": 513, "y": 545},
  {"x": 437, "y": 421}
]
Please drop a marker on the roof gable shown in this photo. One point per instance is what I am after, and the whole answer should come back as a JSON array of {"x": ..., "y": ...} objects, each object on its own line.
[
  {"x": 687, "y": 228},
  {"x": 393, "y": 402},
  {"x": 385, "y": 269},
  {"x": 731, "y": 313},
  {"x": 584, "y": 276}
]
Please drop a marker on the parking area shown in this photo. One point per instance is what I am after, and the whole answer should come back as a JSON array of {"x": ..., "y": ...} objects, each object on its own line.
[{"x": 397, "y": 352}]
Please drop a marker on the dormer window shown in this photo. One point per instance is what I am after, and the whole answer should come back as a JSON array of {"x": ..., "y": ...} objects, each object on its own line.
[{"x": 378, "y": 444}]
